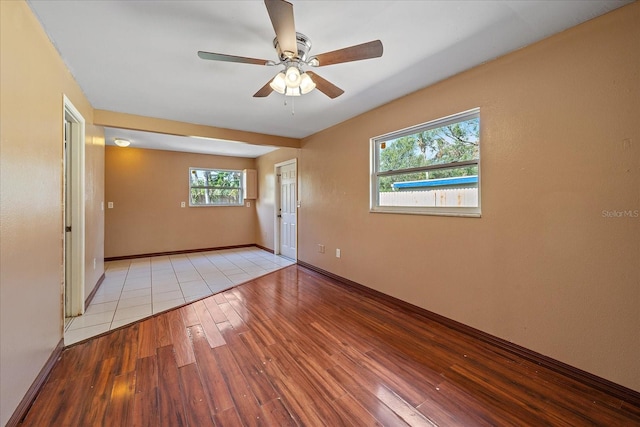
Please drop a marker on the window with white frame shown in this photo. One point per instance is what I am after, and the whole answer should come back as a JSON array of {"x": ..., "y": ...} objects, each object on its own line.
[
  {"x": 215, "y": 187},
  {"x": 432, "y": 168}
]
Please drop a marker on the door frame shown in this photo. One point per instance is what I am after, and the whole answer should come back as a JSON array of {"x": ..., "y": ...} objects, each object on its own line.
[
  {"x": 77, "y": 186},
  {"x": 276, "y": 205}
]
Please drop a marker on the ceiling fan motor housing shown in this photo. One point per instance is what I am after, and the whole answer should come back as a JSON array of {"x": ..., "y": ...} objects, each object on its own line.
[{"x": 303, "y": 44}]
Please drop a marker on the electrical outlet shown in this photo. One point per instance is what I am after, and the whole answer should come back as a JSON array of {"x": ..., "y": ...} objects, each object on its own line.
[
  {"x": 321, "y": 248},
  {"x": 248, "y": 204},
  {"x": 110, "y": 205},
  {"x": 182, "y": 204},
  {"x": 337, "y": 253}
]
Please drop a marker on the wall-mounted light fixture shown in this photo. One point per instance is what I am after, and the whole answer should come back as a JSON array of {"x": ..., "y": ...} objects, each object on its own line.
[{"x": 120, "y": 142}]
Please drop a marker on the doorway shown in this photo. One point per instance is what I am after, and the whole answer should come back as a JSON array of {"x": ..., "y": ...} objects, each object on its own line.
[
  {"x": 73, "y": 211},
  {"x": 286, "y": 213}
]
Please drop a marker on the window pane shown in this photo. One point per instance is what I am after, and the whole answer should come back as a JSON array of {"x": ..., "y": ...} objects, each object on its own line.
[
  {"x": 455, "y": 142},
  {"x": 215, "y": 196},
  {"x": 452, "y": 187},
  {"x": 213, "y": 178},
  {"x": 431, "y": 168},
  {"x": 215, "y": 187}
]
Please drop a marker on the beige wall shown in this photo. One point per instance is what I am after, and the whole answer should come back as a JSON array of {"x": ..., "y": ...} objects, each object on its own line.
[
  {"x": 33, "y": 80},
  {"x": 543, "y": 267},
  {"x": 267, "y": 193},
  {"x": 146, "y": 188},
  {"x": 94, "y": 212}
]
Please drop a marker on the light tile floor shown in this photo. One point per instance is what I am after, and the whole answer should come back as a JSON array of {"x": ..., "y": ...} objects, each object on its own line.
[{"x": 137, "y": 288}]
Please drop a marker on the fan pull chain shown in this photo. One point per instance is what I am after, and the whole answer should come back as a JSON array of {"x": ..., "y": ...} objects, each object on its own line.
[{"x": 293, "y": 112}]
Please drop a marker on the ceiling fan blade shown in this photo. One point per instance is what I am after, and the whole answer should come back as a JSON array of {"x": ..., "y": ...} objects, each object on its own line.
[
  {"x": 367, "y": 50},
  {"x": 231, "y": 58},
  {"x": 264, "y": 91},
  {"x": 325, "y": 86},
  {"x": 281, "y": 15}
]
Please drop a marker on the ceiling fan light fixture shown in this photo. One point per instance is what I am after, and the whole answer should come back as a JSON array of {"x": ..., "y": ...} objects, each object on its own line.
[
  {"x": 279, "y": 83},
  {"x": 306, "y": 84},
  {"x": 293, "y": 77},
  {"x": 120, "y": 142}
]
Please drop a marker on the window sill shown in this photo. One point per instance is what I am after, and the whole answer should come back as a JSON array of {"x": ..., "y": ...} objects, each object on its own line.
[
  {"x": 216, "y": 206},
  {"x": 463, "y": 212}
]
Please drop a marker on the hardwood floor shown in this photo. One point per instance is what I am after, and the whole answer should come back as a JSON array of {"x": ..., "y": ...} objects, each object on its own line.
[{"x": 297, "y": 348}]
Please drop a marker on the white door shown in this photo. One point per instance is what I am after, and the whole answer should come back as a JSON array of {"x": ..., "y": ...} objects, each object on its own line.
[
  {"x": 73, "y": 211},
  {"x": 68, "y": 253},
  {"x": 287, "y": 211}
]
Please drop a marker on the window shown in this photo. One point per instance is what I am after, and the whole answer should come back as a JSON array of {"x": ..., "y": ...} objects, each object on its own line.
[
  {"x": 215, "y": 187},
  {"x": 432, "y": 168}
]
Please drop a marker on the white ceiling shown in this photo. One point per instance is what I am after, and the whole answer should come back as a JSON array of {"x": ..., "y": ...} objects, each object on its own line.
[{"x": 139, "y": 57}]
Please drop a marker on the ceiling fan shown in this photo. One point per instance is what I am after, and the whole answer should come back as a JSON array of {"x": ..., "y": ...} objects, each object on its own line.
[{"x": 293, "y": 49}]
